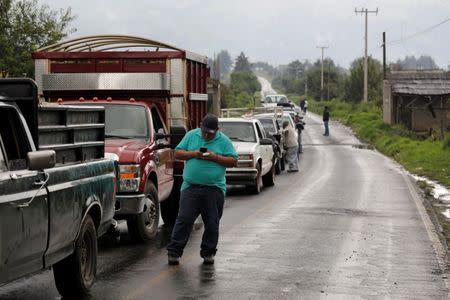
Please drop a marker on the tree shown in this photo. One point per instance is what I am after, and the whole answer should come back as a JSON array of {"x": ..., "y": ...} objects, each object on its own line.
[
  {"x": 245, "y": 82},
  {"x": 27, "y": 26},
  {"x": 242, "y": 64},
  {"x": 424, "y": 62},
  {"x": 355, "y": 82},
  {"x": 225, "y": 61}
]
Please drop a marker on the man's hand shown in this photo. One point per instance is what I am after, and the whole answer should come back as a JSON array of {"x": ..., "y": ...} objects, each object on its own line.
[{"x": 225, "y": 161}]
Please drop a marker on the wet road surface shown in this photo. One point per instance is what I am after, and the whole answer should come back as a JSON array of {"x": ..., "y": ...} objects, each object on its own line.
[{"x": 350, "y": 224}]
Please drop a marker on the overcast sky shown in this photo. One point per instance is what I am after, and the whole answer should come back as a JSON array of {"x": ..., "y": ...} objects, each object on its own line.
[{"x": 276, "y": 31}]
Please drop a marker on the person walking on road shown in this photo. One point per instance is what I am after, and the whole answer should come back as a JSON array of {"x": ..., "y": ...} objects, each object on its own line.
[
  {"x": 305, "y": 107},
  {"x": 326, "y": 119},
  {"x": 291, "y": 144},
  {"x": 207, "y": 152}
]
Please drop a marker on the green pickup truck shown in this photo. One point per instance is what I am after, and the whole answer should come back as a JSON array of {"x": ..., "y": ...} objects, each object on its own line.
[{"x": 57, "y": 192}]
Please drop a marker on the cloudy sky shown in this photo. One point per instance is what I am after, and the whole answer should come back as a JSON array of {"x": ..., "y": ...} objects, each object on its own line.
[{"x": 277, "y": 31}]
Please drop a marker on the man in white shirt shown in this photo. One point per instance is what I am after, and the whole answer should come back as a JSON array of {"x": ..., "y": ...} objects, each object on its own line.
[{"x": 291, "y": 144}]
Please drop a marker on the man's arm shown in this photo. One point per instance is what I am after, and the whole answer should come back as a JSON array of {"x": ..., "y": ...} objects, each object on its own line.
[
  {"x": 226, "y": 161},
  {"x": 186, "y": 155}
]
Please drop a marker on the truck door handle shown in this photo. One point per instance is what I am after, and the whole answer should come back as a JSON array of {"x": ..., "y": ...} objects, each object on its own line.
[{"x": 41, "y": 185}]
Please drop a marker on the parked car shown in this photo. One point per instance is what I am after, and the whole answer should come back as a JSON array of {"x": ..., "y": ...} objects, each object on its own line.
[
  {"x": 273, "y": 100},
  {"x": 256, "y": 163},
  {"x": 274, "y": 131}
]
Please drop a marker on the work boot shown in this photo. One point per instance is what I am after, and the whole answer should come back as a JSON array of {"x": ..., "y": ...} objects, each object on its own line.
[
  {"x": 173, "y": 260},
  {"x": 208, "y": 260}
]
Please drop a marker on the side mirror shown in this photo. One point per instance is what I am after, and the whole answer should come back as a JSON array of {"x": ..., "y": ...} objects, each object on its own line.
[
  {"x": 160, "y": 136},
  {"x": 265, "y": 141},
  {"x": 40, "y": 160},
  {"x": 277, "y": 136}
]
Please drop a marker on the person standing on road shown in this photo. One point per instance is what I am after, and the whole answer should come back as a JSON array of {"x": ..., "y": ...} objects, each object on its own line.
[
  {"x": 326, "y": 118},
  {"x": 207, "y": 152},
  {"x": 305, "y": 108},
  {"x": 302, "y": 105},
  {"x": 299, "y": 125},
  {"x": 291, "y": 144}
]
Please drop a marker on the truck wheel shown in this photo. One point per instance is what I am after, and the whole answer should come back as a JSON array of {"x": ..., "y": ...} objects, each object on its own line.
[
  {"x": 256, "y": 187},
  {"x": 75, "y": 274},
  {"x": 144, "y": 226},
  {"x": 169, "y": 207},
  {"x": 269, "y": 178}
]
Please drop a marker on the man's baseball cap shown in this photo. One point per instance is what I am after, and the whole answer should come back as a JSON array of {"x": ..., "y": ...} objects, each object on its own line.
[{"x": 210, "y": 123}]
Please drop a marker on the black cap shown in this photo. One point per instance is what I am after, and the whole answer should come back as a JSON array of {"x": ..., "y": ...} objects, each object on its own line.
[{"x": 210, "y": 123}]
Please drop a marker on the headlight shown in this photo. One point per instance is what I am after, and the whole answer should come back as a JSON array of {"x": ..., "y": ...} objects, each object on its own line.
[
  {"x": 130, "y": 176},
  {"x": 245, "y": 161}
]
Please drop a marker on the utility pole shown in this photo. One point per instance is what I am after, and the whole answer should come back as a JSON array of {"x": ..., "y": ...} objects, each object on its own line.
[
  {"x": 366, "y": 12},
  {"x": 384, "y": 55},
  {"x": 321, "y": 75},
  {"x": 328, "y": 82}
]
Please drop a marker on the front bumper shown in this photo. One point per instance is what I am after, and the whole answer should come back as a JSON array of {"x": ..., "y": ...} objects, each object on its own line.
[
  {"x": 241, "y": 176},
  {"x": 129, "y": 204}
]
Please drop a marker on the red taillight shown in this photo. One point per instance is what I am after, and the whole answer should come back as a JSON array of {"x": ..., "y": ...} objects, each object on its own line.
[
  {"x": 81, "y": 99},
  {"x": 95, "y": 99},
  {"x": 109, "y": 99}
]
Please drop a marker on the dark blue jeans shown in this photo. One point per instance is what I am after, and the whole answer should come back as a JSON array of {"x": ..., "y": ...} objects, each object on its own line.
[
  {"x": 327, "y": 130},
  {"x": 206, "y": 201}
]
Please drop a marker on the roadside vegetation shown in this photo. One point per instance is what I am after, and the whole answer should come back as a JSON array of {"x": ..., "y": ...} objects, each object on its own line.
[{"x": 424, "y": 156}]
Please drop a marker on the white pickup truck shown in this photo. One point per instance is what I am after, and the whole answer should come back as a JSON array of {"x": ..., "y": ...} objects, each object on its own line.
[{"x": 256, "y": 163}]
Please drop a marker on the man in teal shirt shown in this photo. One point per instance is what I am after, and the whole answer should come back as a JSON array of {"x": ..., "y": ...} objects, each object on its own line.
[{"x": 208, "y": 152}]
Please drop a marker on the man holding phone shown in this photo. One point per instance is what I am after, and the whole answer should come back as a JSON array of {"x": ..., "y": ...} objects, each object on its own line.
[{"x": 207, "y": 152}]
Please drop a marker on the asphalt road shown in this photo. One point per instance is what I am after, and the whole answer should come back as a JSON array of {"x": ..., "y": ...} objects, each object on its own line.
[{"x": 350, "y": 224}]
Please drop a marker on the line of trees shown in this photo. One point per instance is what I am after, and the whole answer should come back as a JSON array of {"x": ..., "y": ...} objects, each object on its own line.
[{"x": 25, "y": 27}]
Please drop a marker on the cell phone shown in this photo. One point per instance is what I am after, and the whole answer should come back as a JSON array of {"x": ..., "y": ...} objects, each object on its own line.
[{"x": 203, "y": 149}]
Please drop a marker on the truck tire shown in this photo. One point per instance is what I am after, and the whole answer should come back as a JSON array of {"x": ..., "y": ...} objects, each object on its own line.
[
  {"x": 144, "y": 226},
  {"x": 257, "y": 185},
  {"x": 75, "y": 274},
  {"x": 169, "y": 207},
  {"x": 269, "y": 178}
]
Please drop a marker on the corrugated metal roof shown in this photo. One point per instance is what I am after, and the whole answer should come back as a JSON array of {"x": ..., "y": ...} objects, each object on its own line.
[{"x": 421, "y": 87}]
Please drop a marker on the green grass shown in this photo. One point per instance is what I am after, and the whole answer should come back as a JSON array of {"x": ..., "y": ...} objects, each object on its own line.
[{"x": 421, "y": 156}]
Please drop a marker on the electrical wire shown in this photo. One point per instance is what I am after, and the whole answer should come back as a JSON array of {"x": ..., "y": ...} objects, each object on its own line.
[{"x": 418, "y": 33}]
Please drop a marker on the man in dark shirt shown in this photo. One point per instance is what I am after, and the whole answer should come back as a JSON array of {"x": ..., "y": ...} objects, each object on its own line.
[{"x": 326, "y": 118}]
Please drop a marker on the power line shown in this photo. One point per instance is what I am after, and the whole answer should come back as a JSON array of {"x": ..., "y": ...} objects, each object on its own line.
[{"x": 419, "y": 33}]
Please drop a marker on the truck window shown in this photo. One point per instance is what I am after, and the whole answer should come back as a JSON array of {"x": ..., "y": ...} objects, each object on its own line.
[
  {"x": 157, "y": 123},
  {"x": 126, "y": 121},
  {"x": 14, "y": 139}
]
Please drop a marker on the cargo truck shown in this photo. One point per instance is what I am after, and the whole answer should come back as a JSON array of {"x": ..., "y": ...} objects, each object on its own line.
[{"x": 152, "y": 93}]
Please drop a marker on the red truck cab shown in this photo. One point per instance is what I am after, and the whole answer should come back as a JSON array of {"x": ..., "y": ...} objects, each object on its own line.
[{"x": 149, "y": 97}]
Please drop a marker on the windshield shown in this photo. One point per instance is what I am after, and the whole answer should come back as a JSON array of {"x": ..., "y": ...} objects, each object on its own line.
[
  {"x": 239, "y": 131},
  {"x": 126, "y": 121}
]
